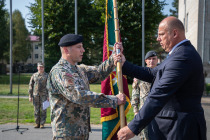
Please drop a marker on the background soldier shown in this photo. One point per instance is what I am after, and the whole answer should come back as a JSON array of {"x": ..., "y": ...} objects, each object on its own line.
[
  {"x": 141, "y": 90},
  {"x": 38, "y": 94},
  {"x": 69, "y": 91}
]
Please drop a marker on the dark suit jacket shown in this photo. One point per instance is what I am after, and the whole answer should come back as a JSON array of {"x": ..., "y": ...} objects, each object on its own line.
[{"x": 174, "y": 102}]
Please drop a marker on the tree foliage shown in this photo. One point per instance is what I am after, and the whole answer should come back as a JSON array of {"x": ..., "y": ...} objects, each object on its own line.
[
  {"x": 4, "y": 31},
  {"x": 130, "y": 15},
  {"x": 20, "y": 34},
  {"x": 174, "y": 12},
  {"x": 59, "y": 20}
]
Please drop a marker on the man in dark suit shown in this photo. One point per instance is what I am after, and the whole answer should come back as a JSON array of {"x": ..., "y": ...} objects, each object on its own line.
[{"x": 174, "y": 101}]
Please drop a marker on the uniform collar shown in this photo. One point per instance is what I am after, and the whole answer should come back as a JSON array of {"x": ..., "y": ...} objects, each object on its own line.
[
  {"x": 66, "y": 63},
  {"x": 41, "y": 73}
]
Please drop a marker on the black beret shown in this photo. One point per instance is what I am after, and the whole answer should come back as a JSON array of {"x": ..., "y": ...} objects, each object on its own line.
[
  {"x": 150, "y": 54},
  {"x": 70, "y": 39}
]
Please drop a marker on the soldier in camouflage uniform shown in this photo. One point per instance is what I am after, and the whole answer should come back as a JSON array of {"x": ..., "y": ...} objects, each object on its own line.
[
  {"x": 69, "y": 91},
  {"x": 141, "y": 90},
  {"x": 38, "y": 94}
]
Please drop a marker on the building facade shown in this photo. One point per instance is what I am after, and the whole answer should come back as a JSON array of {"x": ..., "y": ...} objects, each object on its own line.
[
  {"x": 30, "y": 65},
  {"x": 36, "y": 50},
  {"x": 195, "y": 15}
]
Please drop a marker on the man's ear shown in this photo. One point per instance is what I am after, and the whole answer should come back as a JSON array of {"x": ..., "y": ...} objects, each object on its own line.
[
  {"x": 65, "y": 50},
  {"x": 175, "y": 33}
]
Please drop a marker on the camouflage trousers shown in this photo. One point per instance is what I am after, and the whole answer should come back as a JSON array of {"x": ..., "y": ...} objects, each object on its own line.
[
  {"x": 144, "y": 134},
  {"x": 83, "y": 137},
  {"x": 39, "y": 114}
]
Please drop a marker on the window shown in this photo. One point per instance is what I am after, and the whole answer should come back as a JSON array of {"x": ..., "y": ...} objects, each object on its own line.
[
  {"x": 184, "y": 22},
  {"x": 29, "y": 57},
  {"x": 187, "y": 22},
  {"x": 209, "y": 49},
  {"x": 36, "y": 56},
  {"x": 36, "y": 47}
]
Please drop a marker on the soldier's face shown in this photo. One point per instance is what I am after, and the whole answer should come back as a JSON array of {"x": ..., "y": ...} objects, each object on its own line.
[
  {"x": 40, "y": 69},
  {"x": 152, "y": 61},
  {"x": 76, "y": 53}
]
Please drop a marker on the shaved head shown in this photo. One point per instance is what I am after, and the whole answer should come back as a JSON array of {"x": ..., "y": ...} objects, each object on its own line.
[
  {"x": 173, "y": 23},
  {"x": 170, "y": 32}
]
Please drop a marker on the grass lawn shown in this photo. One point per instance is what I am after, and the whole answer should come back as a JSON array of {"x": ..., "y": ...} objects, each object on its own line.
[
  {"x": 24, "y": 79},
  {"x": 5, "y": 89},
  {"x": 23, "y": 86},
  {"x": 8, "y": 112},
  {"x": 8, "y": 107}
]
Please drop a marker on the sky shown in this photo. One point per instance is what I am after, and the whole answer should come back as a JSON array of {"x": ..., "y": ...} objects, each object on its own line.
[
  {"x": 167, "y": 7},
  {"x": 21, "y": 6}
]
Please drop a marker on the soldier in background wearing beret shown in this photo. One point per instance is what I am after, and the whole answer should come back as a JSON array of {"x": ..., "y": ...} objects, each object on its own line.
[
  {"x": 69, "y": 91},
  {"x": 38, "y": 94},
  {"x": 141, "y": 90}
]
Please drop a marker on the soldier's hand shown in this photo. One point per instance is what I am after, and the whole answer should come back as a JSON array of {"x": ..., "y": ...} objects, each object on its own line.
[
  {"x": 30, "y": 99},
  {"x": 117, "y": 58},
  {"x": 121, "y": 99}
]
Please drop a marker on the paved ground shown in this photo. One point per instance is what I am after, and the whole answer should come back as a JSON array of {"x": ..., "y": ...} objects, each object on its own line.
[
  {"x": 206, "y": 107},
  {"x": 46, "y": 133},
  {"x": 40, "y": 134}
]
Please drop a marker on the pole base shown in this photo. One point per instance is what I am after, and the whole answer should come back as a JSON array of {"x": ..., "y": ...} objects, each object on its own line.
[{"x": 17, "y": 128}]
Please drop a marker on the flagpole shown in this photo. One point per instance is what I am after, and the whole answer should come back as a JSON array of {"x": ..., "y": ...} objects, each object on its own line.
[
  {"x": 42, "y": 2},
  {"x": 119, "y": 65},
  {"x": 76, "y": 17},
  {"x": 143, "y": 36},
  {"x": 11, "y": 38}
]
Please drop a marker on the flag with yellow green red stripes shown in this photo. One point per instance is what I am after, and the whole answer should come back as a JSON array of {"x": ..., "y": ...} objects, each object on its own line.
[{"x": 109, "y": 116}]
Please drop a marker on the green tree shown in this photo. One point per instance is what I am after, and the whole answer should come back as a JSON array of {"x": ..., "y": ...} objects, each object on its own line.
[
  {"x": 130, "y": 21},
  {"x": 59, "y": 20},
  {"x": 130, "y": 15},
  {"x": 4, "y": 31},
  {"x": 174, "y": 12},
  {"x": 20, "y": 34},
  {"x": 36, "y": 17}
]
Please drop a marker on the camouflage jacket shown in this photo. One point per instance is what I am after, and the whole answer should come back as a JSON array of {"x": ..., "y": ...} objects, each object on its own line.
[
  {"x": 70, "y": 96},
  {"x": 139, "y": 94},
  {"x": 37, "y": 85}
]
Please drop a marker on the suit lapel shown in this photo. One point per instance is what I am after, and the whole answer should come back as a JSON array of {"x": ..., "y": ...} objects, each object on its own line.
[{"x": 187, "y": 43}]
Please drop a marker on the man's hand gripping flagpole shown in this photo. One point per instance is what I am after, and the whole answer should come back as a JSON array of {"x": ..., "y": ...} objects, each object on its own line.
[{"x": 119, "y": 65}]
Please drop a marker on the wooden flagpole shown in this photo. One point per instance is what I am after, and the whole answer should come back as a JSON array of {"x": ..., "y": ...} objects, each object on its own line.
[{"x": 119, "y": 65}]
